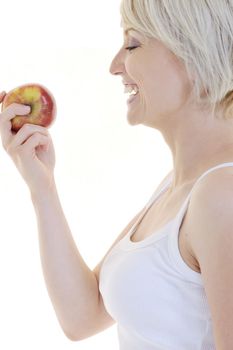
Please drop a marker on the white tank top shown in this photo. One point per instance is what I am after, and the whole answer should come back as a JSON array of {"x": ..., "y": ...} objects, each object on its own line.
[{"x": 157, "y": 300}]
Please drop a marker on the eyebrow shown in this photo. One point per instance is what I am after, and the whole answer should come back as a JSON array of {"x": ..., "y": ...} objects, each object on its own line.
[{"x": 128, "y": 30}]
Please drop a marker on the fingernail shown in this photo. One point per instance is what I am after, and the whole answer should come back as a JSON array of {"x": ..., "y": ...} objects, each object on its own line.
[
  {"x": 27, "y": 109},
  {"x": 2, "y": 95}
]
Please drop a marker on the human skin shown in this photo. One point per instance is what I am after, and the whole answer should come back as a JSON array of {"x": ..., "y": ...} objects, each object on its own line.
[{"x": 197, "y": 139}]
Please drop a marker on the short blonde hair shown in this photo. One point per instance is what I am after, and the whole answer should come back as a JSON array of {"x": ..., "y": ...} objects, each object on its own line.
[{"x": 200, "y": 34}]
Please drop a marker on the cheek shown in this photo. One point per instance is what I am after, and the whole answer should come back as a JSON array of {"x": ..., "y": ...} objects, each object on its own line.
[{"x": 167, "y": 89}]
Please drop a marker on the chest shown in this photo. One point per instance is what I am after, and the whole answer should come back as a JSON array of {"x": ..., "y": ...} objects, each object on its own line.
[{"x": 163, "y": 210}]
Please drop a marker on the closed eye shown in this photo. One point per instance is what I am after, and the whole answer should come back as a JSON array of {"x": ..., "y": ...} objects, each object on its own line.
[{"x": 130, "y": 48}]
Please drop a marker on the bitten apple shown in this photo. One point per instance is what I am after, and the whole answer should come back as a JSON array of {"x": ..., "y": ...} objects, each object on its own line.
[{"x": 41, "y": 101}]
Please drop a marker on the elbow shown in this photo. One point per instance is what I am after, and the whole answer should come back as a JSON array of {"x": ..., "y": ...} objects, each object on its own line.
[
  {"x": 76, "y": 335},
  {"x": 73, "y": 330}
]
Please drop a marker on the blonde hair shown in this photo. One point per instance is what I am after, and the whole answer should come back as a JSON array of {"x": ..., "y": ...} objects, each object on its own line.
[{"x": 200, "y": 34}]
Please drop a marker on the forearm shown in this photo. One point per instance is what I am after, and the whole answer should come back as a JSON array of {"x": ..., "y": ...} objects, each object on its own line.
[{"x": 72, "y": 286}]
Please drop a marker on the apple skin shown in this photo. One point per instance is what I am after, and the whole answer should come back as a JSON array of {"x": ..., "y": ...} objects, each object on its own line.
[{"x": 39, "y": 98}]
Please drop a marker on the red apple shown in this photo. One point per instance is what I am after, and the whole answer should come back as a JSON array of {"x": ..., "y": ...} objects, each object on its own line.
[{"x": 39, "y": 98}]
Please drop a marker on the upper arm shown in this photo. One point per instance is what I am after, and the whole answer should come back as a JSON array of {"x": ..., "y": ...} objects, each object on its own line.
[
  {"x": 103, "y": 319},
  {"x": 212, "y": 243}
]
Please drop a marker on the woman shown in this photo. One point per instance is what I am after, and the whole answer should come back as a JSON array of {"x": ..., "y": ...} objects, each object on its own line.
[{"x": 167, "y": 280}]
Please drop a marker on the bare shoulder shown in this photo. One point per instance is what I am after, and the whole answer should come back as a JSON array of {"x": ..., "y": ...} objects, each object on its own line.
[
  {"x": 211, "y": 240},
  {"x": 213, "y": 194},
  {"x": 211, "y": 205}
]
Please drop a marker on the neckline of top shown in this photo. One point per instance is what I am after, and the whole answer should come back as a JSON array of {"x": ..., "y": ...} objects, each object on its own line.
[
  {"x": 157, "y": 234},
  {"x": 163, "y": 231}
]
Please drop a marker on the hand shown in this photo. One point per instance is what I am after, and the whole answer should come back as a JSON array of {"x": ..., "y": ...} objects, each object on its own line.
[{"x": 31, "y": 148}]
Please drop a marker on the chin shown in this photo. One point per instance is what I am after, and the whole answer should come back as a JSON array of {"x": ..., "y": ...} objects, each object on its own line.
[{"x": 134, "y": 120}]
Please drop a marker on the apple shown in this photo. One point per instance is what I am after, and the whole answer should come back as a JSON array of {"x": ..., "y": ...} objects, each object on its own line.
[{"x": 41, "y": 101}]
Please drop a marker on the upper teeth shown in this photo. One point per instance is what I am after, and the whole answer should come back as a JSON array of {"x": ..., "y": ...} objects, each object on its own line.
[{"x": 131, "y": 89}]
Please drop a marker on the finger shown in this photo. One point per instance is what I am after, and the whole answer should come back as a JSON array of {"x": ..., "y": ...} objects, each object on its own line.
[
  {"x": 5, "y": 120},
  {"x": 14, "y": 109},
  {"x": 2, "y": 95},
  {"x": 36, "y": 140},
  {"x": 24, "y": 133}
]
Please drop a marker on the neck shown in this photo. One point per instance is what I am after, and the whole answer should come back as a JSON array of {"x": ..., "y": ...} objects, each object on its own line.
[{"x": 197, "y": 146}]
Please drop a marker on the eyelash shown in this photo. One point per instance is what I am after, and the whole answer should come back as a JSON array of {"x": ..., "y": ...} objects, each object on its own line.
[{"x": 130, "y": 48}]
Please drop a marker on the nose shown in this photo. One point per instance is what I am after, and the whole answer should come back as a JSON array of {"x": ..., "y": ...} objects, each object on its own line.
[{"x": 117, "y": 66}]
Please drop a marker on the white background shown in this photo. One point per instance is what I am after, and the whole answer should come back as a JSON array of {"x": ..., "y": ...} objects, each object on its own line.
[{"x": 105, "y": 169}]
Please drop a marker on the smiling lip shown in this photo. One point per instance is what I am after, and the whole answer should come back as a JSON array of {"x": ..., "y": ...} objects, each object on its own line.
[{"x": 132, "y": 98}]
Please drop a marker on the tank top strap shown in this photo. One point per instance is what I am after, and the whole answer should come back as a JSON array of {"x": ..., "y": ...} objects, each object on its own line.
[{"x": 183, "y": 208}]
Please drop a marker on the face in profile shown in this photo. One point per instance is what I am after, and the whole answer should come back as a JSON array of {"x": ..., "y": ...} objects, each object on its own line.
[{"x": 158, "y": 78}]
